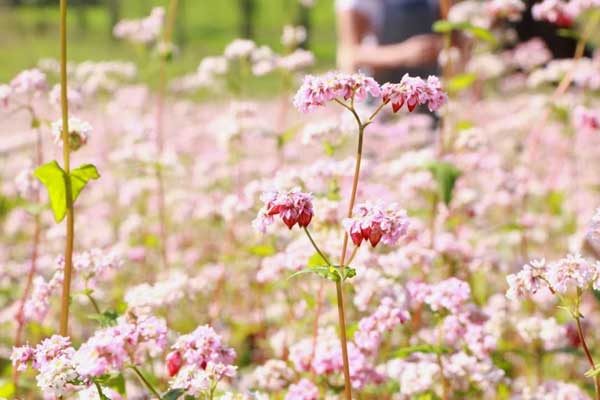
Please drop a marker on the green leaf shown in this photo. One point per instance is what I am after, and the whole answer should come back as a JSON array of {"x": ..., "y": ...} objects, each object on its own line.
[
  {"x": 332, "y": 273},
  {"x": 106, "y": 319},
  {"x": 445, "y": 175},
  {"x": 316, "y": 260},
  {"x": 593, "y": 372},
  {"x": 54, "y": 178},
  {"x": 461, "y": 82},
  {"x": 420, "y": 348},
  {"x": 173, "y": 394},
  {"x": 263, "y": 250},
  {"x": 80, "y": 177},
  {"x": 477, "y": 31},
  {"x": 7, "y": 389}
]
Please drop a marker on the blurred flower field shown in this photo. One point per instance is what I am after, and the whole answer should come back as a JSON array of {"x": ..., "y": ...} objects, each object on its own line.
[{"x": 250, "y": 225}]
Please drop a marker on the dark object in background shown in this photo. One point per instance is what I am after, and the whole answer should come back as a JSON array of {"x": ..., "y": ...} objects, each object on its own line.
[
  {"x": 247, "y": 9},
  {"x": 529, "y": 28}
]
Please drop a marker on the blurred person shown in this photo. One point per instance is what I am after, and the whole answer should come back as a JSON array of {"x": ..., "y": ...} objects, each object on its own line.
[{"x": 388, "y": 37}]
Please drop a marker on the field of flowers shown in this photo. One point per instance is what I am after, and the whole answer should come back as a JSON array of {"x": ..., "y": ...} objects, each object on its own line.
[{"x": 425, "y": 239}]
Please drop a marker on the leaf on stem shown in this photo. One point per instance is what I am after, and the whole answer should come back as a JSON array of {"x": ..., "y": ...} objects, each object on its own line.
[
  {"x": 54, "y": 178},
  {"x": 445, "y": 175}
]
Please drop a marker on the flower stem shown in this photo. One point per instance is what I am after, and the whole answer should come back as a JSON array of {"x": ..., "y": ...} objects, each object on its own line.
[
  {"x": 338, "y": 284},
  {"x": 146, "y": 382},
  {"x": 588, "y": 355},
  {"x": 312, "y": 241},
  {"x": 66, "y": 289},
  {"x": 33, "y": 263}
]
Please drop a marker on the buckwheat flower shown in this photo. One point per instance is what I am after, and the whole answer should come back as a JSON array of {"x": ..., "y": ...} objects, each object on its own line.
[
  {"x": 273, "y": 376},
  {"x": 293, "y": 36},
  {"x": 29, "y": 82},
  {"x": 57, "y": 376},
  {"x": 21, "y": 356},
  {"x": 586, "y": 119},
  {"x": 303, "y": 390},
  {"x": 201, "y": 346},
  {"x": 50, "y": 348},
  {"x": 375, "y": 223},
  {"x": 293, "y": 207},
  {"x": 74, "y": 97},
  {"x": 316, "y": 91},
  {"x": 414, "y": 91},
  {"x": 528, "y": 281},
  {"x": 38, "y": 304},
  {"x": 5, "y": 92},
  {"x": 27, "y": 185},
  {"x": 557, "y": 12},
  {"x": 531, "y": 54},
  {"x": 79, "y": 132},
  {"x": 298, "y": 60},
  {"x": 552, "y": 335},
  {"x": 239, "y": 48},
  {"x": 509, "y": 9},
  {"x": 552, "y": 390},
  {"x": 91, "y": 393},
  {"x": 144, "y": 30},
  {"x": 415, "y": 376},
  {"x": 449, "y": 294},
  {"x": 572, "y": 271},
  {"x": 191, "y": 379}
]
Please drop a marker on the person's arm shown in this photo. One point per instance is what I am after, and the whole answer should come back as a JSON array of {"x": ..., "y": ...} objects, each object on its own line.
[{"x": 354, "y": 26}]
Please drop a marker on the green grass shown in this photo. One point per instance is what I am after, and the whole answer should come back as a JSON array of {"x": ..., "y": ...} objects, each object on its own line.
[{"x": 30, "y": 33}]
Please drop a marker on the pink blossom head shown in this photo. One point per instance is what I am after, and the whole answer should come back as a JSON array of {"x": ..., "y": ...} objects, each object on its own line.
[
  {"x": 303, "y": 390},
  {"x": 293, "y": 207},
  {"x": 375, "y": 223},
  {"x": 414, "y": 91},
  {"x": 557, "y": 12},
  {"x": 316, "y": 91}
]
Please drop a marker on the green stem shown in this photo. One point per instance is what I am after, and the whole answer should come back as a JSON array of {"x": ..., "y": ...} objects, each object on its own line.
[
  {"x": 70, "y": 226},
  {"x": 339, "y": 284},
  {"x": 588, "y": 355},
  {"x": 312, "y": 241},
  {"x": 146, "y": 382},
  {"x": 94, "y": 303}
]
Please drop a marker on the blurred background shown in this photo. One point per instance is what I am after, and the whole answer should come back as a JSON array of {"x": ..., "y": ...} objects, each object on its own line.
[{"x": 29, "y": 30}]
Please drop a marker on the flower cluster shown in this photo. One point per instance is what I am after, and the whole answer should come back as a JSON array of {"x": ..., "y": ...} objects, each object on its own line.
[
  {"x": 199, "y": 360},
  {"x": 145, "y": 30},
  {"x": 316, "y": 91},
  {"x": 450, "y": 294},
  {"x": 557, "y": 12},
  {"x": 294, "y": 207},
  {"x": 573, "y": 271},
  {"x": 414, "y": 91},
  {"x": 79, "y": 132},
  {"x": 509, "y": 9},
  {"x": 375, "y": 223}
]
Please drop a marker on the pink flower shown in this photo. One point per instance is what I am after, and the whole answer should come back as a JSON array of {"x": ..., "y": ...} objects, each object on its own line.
[
  {"x": 527, "y": 281},
  {"x": 572, "y": 271},
  {"x": 586, "y": 119},
  {"x": 375, "y": 223},
  {"x": 557, "y": 12},
  {"x": 174, "y": 363},
  {"x": 414, "y": 91},
  {"x": 316, "y": 91},
  {"x": 303, "y": 390},
  {"x": 29, "y": 82},
  {"x": 450, "y": 294},
  {"x": 509, "y": 9},
  {"x": 294, "y": 207},
  {"x": 21, "y": 356}
]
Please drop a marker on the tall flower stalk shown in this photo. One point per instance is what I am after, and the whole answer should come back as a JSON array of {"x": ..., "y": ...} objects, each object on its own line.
[
  {"x": 70, "y": 226},
  {"x": 374, "y": 222}
]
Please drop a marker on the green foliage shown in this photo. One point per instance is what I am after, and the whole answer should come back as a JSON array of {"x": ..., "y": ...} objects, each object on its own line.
[
  {"x": 445, "y": 175},
  {"x": 420, "y": 348},
  {"x": 330, "y": 272},
  {"x": 7, "y": 389},
  {"x": 173, "y": 394},
  {"x": 477, "y": 31},
  {"x": 54, "y": 178},
  {"x": 461, "y": 82},
  {"x": 106, "y": 319}
]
